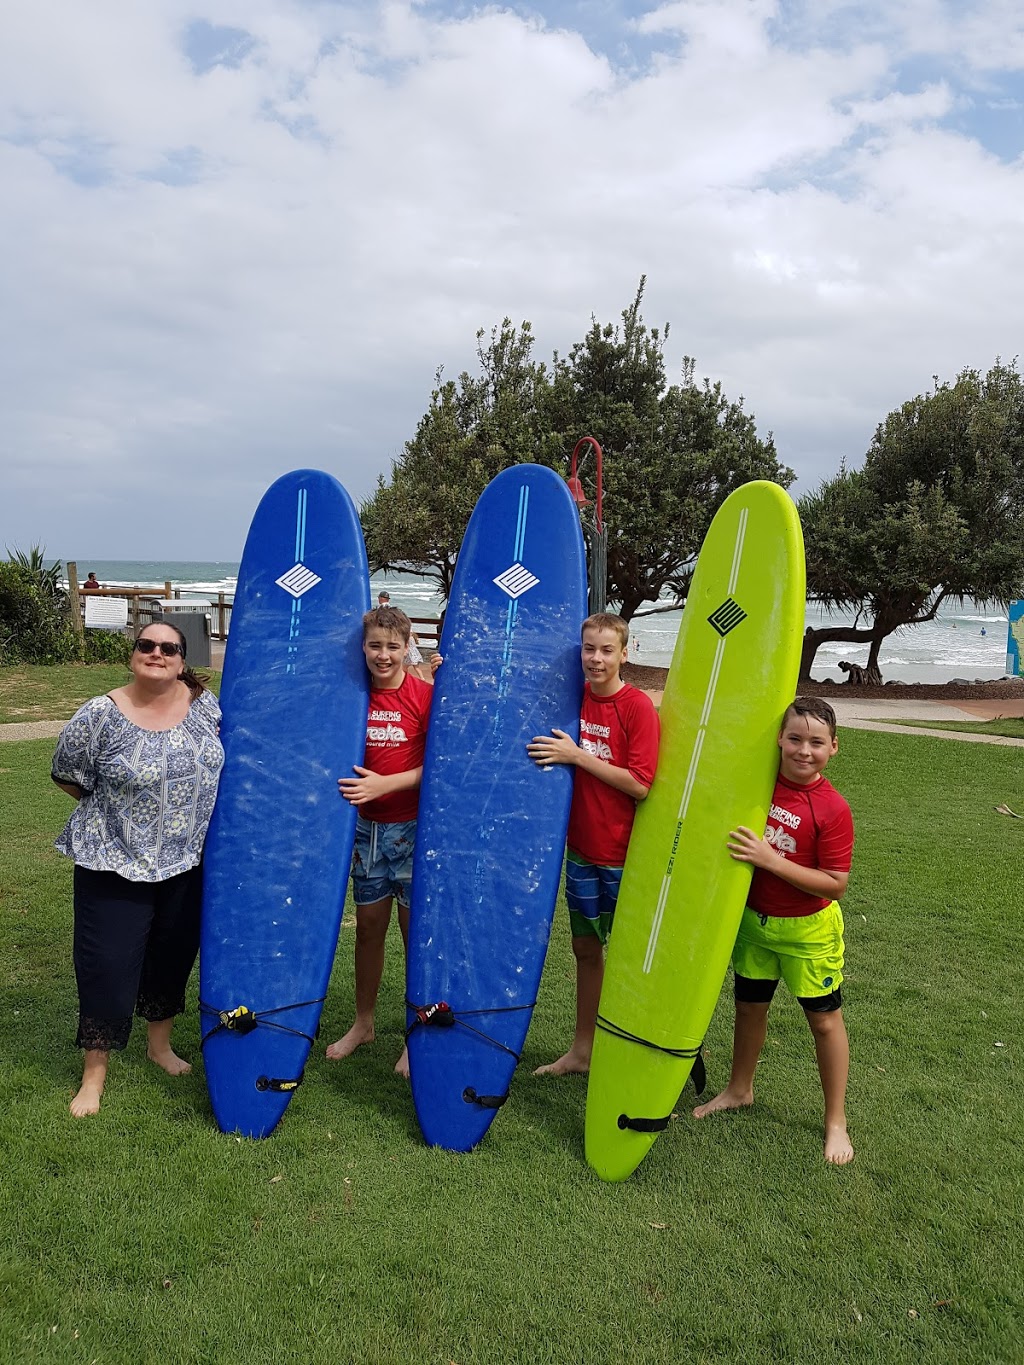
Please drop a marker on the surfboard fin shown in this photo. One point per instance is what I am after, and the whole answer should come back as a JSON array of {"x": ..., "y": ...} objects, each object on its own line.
[{"x": 698, "y": 1073}]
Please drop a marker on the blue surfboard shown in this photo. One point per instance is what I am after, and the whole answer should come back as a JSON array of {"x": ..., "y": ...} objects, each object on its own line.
[
  {"x": 492, "y": 824},
  {"x": 294, "y": 698}
]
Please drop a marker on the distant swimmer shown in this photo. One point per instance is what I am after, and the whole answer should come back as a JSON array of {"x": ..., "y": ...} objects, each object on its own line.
[{"x": 984, "y": 631}]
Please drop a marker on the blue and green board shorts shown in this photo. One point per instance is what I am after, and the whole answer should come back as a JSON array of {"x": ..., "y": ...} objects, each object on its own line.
[
  {"x": 591, "y": 891},
  {"x": 805, "y": 951}
]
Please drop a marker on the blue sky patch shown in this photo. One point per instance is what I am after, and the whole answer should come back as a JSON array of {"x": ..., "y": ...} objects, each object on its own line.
[
  {"x": 608, "y": 27},
  {"x": 209, "y": 45},
  {"x": 181, "y": 166}
]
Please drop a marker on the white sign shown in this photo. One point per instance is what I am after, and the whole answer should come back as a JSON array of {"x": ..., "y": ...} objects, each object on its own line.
[{"x": 105, "y": 613}]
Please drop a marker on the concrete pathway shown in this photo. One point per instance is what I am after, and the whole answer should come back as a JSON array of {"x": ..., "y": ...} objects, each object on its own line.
[
  {"x": 880, "y": 713},
  {"x": 31, "y": 729}
]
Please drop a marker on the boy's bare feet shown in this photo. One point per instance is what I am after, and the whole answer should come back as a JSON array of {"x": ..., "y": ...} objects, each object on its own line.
[
  {"x": 572, "y": 1063},
  {"x": 87, "y": 1101},
  {"x": 402, "y": 1065},
  {"x": 838, "y": 1147},
  {"x": 168, "y": 1060},
  {"x": 728, "y": 1099},
  {"x": 357, "y": 1035}
]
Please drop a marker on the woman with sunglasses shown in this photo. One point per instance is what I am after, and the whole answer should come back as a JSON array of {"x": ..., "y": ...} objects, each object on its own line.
[{"x": 143, "y": 763}]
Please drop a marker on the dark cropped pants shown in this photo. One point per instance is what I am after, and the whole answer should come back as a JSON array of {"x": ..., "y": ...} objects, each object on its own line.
[{"x": 135, "y": 945}]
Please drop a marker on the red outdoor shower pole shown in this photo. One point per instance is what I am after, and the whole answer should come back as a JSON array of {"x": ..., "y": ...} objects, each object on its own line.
[{"x": 599, "y": 538}]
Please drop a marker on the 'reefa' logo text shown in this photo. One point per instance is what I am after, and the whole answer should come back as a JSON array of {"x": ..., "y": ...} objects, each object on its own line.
[
  {"x": 780, "y": 840},
  {"x": 597, "y": 747},
  {"x": 386, "y": 734}
]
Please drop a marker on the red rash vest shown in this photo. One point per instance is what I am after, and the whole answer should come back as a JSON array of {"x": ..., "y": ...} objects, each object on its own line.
[
  {"x": 396, "y": 735},
  {"x": 811, "y": 826},
  {"x": 624, "y": 731}
]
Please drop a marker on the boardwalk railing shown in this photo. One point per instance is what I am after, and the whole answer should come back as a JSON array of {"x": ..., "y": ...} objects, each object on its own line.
[{"x": 145, "y": 605}]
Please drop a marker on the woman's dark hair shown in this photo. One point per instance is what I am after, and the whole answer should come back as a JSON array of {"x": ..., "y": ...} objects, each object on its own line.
[{"x": 195, "y": 682}]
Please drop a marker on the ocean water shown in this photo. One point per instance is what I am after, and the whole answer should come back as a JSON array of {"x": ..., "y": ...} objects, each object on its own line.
[{"x": 962, "y": 642}]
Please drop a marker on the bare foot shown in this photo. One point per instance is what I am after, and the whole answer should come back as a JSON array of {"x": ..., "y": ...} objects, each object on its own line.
[
  {"x": 728, "y": 1099},
  {"x": 168, "y": 1060},
  {"x": 357, "y": 1035},
  {"x": 838, "y": 1147},
  {"x": 159, "y": 1050},
  {"x": 87, "y": 1101},
  {"x": 573, "y": 1063},
  {"x": 402, "y": 1065},
  {"x": 94, "y": 1078}
]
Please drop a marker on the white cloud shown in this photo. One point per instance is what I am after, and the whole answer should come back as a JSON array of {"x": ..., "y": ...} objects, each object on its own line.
[{"x": 214, "y": 277}]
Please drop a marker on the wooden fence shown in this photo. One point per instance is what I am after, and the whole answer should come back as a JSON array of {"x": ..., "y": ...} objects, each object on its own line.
[{"x": 141, "y": 599}]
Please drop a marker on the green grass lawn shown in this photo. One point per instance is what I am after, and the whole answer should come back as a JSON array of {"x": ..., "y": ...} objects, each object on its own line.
[
  {"x": 144, "y": 1235},
  {"x": 1009, "y": 727},
  {"x": 55, "y": 692}
]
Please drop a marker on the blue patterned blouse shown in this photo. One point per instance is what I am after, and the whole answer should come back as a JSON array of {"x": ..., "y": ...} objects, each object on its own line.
[{"x": 150, "y": 793}]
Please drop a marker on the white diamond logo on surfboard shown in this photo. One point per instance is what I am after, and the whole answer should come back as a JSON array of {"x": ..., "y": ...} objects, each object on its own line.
[
  {"x": 516, "y": 580},
  {"x": 298, "y": 580}
]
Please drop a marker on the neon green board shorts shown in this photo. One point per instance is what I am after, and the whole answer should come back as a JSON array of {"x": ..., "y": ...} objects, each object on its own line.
[{"x": 805, "y": 951}]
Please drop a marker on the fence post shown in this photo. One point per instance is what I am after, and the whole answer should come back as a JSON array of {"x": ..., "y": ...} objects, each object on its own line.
[
  {"x": 76, "y": 602},
  {"x": 221, "y": 632}
]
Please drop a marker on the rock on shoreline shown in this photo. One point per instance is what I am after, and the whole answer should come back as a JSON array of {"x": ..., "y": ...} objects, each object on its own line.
[{"x": 1003, "y": 689}]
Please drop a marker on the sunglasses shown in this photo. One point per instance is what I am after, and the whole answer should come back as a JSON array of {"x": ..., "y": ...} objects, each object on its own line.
[{"x": 168, "y": 648}]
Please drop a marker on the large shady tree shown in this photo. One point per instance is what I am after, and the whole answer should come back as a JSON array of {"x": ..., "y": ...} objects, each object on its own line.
[
  {"x": 474, "y": 427},
  {"x": 672, "y": 453},
  {"x": 936, "y": 512}
]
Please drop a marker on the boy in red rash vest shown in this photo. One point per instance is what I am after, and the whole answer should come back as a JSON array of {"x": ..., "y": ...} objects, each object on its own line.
[
  {"x": 386, "y": 793},
  {"x": 793, "y": 926},
  {"x": 615, "y": 762}
]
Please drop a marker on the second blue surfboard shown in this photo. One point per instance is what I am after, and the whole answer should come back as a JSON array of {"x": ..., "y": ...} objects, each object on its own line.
[{"x": 492, "y": 824}]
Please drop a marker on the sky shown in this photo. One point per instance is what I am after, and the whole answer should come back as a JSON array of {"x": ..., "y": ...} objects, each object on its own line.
[{"x": 239, "y": 237}]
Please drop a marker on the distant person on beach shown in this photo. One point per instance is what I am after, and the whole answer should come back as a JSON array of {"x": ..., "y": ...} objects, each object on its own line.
[
  {"x": 615, "y": 762},
  {"x": 385, "y": 791},
  {"x": 91, "y": 584},
  {"x": 792, "y": 927},
  {"x": 143, "y": 763}
]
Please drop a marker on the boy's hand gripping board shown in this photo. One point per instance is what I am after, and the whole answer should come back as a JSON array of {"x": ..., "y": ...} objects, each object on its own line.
[
  {"x": 294, "y": 698},
  {"x": 733, "y": 673},
  {"x": 492, "y": 824}
]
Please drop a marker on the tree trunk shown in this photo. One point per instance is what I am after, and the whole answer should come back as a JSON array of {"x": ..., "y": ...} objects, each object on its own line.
[
  {"x": 872, "y": 674},
  {"x": 816, "y": 636}
]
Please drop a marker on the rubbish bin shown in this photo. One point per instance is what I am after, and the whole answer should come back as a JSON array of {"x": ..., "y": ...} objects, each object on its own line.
[{"x": 195, "y": 626}]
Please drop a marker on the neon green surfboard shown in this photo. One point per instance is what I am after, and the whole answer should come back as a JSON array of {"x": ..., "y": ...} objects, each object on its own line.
[{"x": 733, "y": 674}]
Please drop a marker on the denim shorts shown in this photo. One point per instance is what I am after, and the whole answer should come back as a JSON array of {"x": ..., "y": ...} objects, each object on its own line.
[{"x": 382, "y": 861}]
